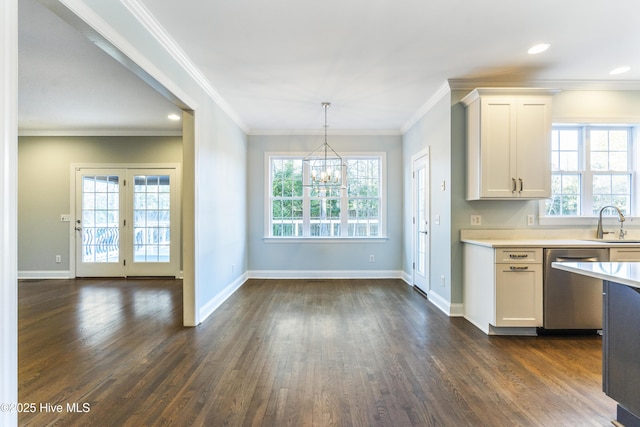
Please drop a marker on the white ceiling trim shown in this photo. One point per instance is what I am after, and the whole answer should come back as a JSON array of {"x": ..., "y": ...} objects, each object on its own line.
[
  {"x": 142, "y": 14},
  {"x": 107, "y": 39},
  {"x": 442, "y": 91},
  {"x": 97, "y": 132},
  {"x": 314, "y": 132},
  {"x": 470, "y": 84}
]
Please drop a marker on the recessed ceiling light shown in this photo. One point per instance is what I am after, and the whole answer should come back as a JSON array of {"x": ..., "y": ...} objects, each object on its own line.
[
  {"x": 174, "y": 117},
  {"x": 539, "y": 48},
  {"x": 619, "y": 70}
]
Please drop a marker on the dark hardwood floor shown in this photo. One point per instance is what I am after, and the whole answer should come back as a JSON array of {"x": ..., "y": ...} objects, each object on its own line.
[{"x": 289, "y": 353}]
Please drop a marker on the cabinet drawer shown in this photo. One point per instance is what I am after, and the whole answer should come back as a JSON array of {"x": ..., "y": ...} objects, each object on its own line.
[
  {"x": 624, "y": 254},
  {"x": 519, "y": 255}
]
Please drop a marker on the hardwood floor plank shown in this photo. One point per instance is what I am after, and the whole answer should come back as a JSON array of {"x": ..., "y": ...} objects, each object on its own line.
[{"x": 291, "y": 353}]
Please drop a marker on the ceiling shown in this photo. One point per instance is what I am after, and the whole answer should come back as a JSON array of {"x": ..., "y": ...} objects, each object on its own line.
[{"x": 377, "y": 61}]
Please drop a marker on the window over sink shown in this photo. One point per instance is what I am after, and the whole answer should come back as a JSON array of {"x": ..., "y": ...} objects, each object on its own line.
[{"x": 592, "y": 166}]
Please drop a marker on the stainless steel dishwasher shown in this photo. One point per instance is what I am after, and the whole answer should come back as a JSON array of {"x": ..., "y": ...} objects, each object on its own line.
[{"x": 571, "y": 301}]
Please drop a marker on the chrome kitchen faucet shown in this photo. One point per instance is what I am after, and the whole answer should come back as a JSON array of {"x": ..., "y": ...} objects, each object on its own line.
[{"x": 600, "y": 233}]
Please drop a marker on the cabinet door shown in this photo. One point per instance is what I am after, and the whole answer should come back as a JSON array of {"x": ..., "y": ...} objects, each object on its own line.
[
  {"x": 498, "y": 151},
  {"x": 518, "y": 295},
  {"x": 533, "y": 168}
]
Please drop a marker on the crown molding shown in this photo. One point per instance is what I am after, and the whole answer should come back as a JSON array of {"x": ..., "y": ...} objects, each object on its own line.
[
  {"x": 98, "y": 132},
  {"x": 148, "y": 21},
  {"x": 470, "y": 84},
  {"x": 438, "y": 95},
  {"x": 335, "y": 132},
  {"x": 84, "y": 19}
]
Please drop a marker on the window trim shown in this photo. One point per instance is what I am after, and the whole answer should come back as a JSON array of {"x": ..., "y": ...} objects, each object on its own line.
[
  {"x": 267, "y": 230},
  {"x": 634, "y": 161}
]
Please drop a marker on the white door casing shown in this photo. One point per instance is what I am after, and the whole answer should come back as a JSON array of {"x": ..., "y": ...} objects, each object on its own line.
[
  {"x": 421, "y": 225},
  {"x": 126, "y": 221}
]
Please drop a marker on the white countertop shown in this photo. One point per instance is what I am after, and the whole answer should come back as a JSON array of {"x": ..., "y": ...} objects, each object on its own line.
[
  {"x": 547, "y": 238},
  {"x": 626, "y": 273},
  {"x": 548, "y": 243}
]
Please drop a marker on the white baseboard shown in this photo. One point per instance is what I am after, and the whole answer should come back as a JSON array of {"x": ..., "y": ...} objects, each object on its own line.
[
  {"x": 211, "y": 306},
  {"x": 42, "y": 275},
  {"x": 451, "y": 310},
  {"x": 58, "y": 274},
  {"x": 325, "y": 274},
  {"x": 408, "y": 279}
]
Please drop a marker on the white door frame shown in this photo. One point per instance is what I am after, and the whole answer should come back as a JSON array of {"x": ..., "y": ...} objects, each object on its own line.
[
  {"x": 9, "y": 209},
  {"x": 415, "y": 225},
  {"x": 72, "y": 201}
]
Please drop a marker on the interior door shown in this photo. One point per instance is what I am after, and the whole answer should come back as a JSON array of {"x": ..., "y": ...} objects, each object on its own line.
[
  {"x": 99, "y": 226},
  {"x": 127, "y": 222},
  {"x": 421, "y": 229}
]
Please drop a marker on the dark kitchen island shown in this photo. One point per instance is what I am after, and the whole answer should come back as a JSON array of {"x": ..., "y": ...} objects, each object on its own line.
[{"x": 620, "y": 332}]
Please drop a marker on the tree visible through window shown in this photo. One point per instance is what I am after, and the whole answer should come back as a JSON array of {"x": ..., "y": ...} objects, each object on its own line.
[
  {"x": 299, "y": 211},
  {"x": 591, "y": 168}
]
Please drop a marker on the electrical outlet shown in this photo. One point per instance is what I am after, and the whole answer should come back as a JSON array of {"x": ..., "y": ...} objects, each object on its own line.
[
  {"x": 476, "y": 220},
  {"x": 372, "y": 258},
  {"x": 58, "y": 259},
  {"x": 442, "y": 280},
  {"x": 531, "y": 219},
  {"x": 65, "y": 217}
]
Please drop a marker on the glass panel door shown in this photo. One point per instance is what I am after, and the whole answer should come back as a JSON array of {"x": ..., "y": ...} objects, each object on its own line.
[
  {"x": 98, "y": 223},
  {"x": 127, "y": 223},
  {"x": 153, "y": 250},
  {"x": 421, "y": 240}
]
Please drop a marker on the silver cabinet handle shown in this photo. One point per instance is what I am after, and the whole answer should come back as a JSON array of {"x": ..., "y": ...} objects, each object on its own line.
[
  {"x": 521, "y": 184},
  {"x": 514, "y": 268},
  {"x": 513, "y": 185},
  {"x": 518, "y": 256}
]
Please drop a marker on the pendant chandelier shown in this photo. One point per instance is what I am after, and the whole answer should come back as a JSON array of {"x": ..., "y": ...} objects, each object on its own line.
[{"x": 325, "y": 165}]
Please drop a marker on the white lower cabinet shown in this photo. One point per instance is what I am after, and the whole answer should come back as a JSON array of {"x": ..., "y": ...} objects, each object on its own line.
[
  {"x": 503, "y": 289},
  {"x": 518, "y": 295}
]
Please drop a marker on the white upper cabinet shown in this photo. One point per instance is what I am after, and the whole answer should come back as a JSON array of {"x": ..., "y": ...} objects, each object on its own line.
[{"x": 508, "y": 143}]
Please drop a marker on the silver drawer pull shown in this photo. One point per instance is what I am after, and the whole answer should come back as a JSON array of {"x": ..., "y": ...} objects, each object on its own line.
[
  {"x": 514, "y": 268},
  {"x": 518, "y": 256}
]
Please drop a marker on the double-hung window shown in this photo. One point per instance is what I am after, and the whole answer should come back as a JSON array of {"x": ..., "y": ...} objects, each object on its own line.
[
  {"x": 592, "y": 167},
  {"x": 296, "y": 209}
]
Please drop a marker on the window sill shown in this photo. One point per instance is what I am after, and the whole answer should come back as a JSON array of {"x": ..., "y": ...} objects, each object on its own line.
[
  {"x": 340, "y": 240},
  {"x": 584, "y": 220}
]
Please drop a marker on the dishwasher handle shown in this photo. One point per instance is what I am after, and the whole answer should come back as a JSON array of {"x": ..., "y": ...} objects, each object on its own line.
[{"x": 576, "y": 259}]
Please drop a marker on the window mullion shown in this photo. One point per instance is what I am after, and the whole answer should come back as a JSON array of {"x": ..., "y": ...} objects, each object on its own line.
[
  {"x": 344, "y": 203},
  {"x": 306, "y": 203}
]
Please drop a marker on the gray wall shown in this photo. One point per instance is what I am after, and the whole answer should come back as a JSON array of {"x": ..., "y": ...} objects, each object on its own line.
[
  {"x": 312, "y": 257},
  {"x": 442, "y": 128},
  {"x": 215, "y": 215},
  {"x": 44, "y": 180},
  {"x": 433, "y": 130},
  {"x": 445, "y": 134}
]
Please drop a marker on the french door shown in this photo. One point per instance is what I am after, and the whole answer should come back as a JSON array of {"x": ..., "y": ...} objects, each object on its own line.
[
  {"x": 421, "y": 237},
  {"x": 126, "y": 222}
]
